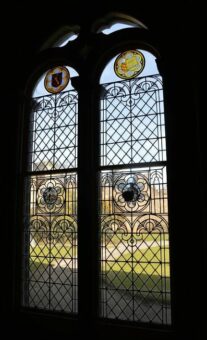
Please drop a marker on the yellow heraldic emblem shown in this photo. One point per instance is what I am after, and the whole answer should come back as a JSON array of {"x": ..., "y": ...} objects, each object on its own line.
[{"x": 129, "y": 64}]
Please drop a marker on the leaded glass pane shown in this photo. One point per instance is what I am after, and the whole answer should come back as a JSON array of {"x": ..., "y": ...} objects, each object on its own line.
[
  {"x": 134, "y": 239},
  {"x": 54, "y": 132},
  {"x": 50, "y": 263},
  {"x": 132, "y": 122}
]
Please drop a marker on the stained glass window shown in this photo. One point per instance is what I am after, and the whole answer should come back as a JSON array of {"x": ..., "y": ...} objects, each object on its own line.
[
  {"x": 57, "y": 79},
  {"x": 131, "y": 246},
  {"x": 50, "y": 277},
  {"x": 134, "y": 239},
  {"x": 129, "y": 64}
]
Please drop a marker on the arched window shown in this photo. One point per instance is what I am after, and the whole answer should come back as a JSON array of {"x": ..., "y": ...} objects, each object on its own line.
[
  {"x": 96, "y": 235},
  {"x": 135, "y": 283},
  {"x": 50, "y": 231}
]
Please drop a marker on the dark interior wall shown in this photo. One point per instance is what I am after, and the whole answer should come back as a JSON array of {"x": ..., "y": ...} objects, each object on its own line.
[{"x": 177, "y": 30}]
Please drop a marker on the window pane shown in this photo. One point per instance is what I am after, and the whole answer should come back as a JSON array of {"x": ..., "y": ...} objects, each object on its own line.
[
  {"x": 134, "y": 239},
  {"x": 50, "y": 278},
  {"x": 50, "y": 257},
  {"x": 54, "y": 132},
  {"x": 132, "y": 121},
  {"x": 135, "y": 272}
]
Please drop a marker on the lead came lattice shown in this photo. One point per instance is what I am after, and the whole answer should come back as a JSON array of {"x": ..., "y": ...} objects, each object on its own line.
[
  {"x": 50, "y": 277},
  {"x": 134, "y": 239}
]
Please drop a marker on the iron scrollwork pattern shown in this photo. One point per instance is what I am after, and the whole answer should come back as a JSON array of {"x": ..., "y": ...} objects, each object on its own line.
[
  {"x": 134, "y": 241},
  {"x": 50, "y": 280}
]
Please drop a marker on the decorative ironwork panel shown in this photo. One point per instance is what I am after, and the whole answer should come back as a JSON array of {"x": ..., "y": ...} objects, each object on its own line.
[
  {"x": 132, "y": 122},
  {"x": 134, "y": 281},
  {"x": 54, "y": 132},
  {"x": 50, "y": 278}
]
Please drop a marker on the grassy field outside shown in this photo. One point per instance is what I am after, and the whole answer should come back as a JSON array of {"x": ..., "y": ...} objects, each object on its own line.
[
  {"x": 144, "y": 271},
  {"x": 46, "y": 253}
]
